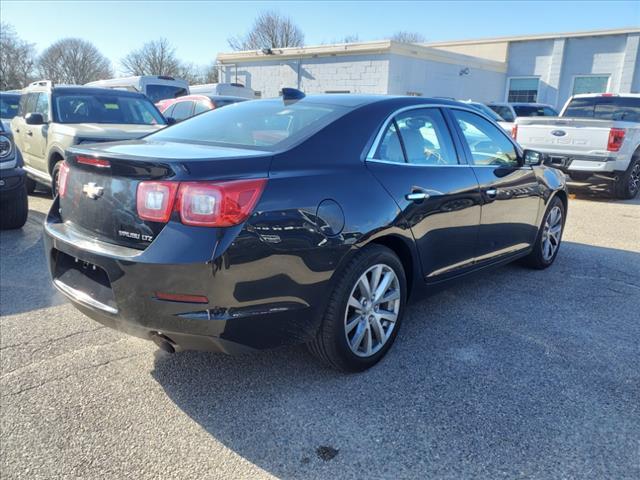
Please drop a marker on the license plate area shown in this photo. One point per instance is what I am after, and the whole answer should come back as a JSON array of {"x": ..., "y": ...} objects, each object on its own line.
[{"x": 87, "y": 280}]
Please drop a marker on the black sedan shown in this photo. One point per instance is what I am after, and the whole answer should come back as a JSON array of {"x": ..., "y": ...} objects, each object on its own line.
[{"x": 300, "y": 219}]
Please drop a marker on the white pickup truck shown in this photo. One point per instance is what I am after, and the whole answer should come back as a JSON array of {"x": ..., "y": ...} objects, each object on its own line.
[{"x": 596, "y": 135}]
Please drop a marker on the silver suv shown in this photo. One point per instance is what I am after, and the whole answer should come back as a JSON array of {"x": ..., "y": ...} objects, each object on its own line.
[{"x": 53, "y": 118}]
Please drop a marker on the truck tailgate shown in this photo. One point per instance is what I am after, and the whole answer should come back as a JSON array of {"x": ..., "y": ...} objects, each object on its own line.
[{"x": 576, "y": 136}]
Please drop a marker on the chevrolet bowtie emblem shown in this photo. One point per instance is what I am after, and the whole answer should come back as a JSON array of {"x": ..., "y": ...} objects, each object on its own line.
[{"x": 92, "y": 190}]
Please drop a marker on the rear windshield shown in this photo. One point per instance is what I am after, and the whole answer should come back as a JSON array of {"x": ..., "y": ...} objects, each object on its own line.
[
  {"x": 260, "y": 124},
  {"x": 162, "y": 92},
  {"x": 534, "y": 111},
  {"x": 106, "y": 108},
  {"x": 605, "y": 108},
  {"x": 9, "y": 105}
]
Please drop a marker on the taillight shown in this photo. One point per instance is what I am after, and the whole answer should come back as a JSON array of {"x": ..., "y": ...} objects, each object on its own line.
[
  {"x": 204, "y": 204},
  {"x": 94, "y": 162},
  {"x": 220, "y": 204},
  {"x": 616, "y": 137},
  {"x": 154, "y": 200},
  {"x": 514, "y": 131},
  {"x": 62, "y": 179}
]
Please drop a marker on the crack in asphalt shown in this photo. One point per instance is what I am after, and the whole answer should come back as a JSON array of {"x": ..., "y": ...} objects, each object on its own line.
[{"x": 49, "y": 341}]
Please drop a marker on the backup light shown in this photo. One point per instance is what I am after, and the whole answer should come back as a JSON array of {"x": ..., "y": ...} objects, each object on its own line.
[{"x": 63, "y": 176}]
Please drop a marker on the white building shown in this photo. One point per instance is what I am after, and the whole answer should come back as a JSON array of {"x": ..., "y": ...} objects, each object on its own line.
[{"x": 543, "y": 68}]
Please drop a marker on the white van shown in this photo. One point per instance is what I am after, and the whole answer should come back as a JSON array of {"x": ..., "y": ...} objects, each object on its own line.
[
  {"x": 224, "y": 89},
  {"x": 155, "y": 87}
]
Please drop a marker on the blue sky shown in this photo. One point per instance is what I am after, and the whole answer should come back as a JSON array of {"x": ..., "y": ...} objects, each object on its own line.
[{"x": 199, "y": 29}]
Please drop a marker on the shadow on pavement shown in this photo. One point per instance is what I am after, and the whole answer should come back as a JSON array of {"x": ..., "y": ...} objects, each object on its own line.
[
  {"x": 598, "y": 191},
  {"x": 511, "y": 373}
]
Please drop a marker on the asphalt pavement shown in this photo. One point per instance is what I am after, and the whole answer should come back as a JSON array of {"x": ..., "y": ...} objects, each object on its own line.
[{"x": 510, "y": 374}]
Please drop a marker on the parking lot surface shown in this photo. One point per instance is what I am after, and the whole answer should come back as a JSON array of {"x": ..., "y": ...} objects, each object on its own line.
[{"x": 509, "y": 374}]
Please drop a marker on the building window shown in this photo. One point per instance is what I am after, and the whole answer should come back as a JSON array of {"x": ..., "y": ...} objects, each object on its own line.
[
  {"x": 590, "y": 84},
  {"x": 523, "y": 90}
]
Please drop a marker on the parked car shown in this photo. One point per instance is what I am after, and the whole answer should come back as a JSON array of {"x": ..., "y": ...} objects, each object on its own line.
[
  {"x": 156, "y": 87},
  {"x": 300, "y": 219},
  {"x": 595, "y": 135},
  {"x": 14, "y": 204},
  {"x": 190, "y": 105},
  {"x": 8, "y": 107},
  {"x": 53, "y": 118},
  {"x": 506, "y": 126},
  {"x": 513, "y": 110},
  {"x": 224, "y": 89}
]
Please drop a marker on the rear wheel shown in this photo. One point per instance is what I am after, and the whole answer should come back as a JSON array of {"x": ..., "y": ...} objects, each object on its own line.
[
  {"x": 55, "y": 173},
  {"x": 628, "y": 184},
  {"x": 549, "y": 237},
  {"x": 15, "y": 210},
  {"x": 364, "y": 311}
]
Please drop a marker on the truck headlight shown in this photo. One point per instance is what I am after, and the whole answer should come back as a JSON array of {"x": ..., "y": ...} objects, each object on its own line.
[{"x": 6, "y": 147}]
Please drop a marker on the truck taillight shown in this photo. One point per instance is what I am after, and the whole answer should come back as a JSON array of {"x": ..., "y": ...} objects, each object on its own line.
[
  {"x": 616, "y": 137},
  {"x": 63, "y": 174},
  {"x": 514, "y": 132},
  {"x": 204, "y": 204}
]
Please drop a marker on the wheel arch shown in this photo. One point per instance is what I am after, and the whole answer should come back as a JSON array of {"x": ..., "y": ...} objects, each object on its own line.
[
  {"x": 55, "y": 155},
  {"x": 401, "y": 247}
]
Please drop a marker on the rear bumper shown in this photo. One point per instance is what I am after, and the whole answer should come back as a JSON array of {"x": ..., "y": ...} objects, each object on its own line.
[
  {"x": 117, "y": 287},
  {"x": 573, "y": 162}
]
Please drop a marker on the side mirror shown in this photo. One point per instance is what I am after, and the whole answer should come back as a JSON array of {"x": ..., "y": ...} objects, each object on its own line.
[
  {"x": 171, "y": 121},
  {"x": 34, "y": 119},
  {"x": 533, "y": 158}
]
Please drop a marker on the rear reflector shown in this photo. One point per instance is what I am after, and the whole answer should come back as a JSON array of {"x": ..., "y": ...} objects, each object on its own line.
[
  {"x": 94, "y": 162},
  {"x": 514, "y": 132},
  {"x": 616, "y": 137},
  {"x": 178, "y": 297},
  {"x": 154, "y": 200},
  {"x": 62, "y": 179}
]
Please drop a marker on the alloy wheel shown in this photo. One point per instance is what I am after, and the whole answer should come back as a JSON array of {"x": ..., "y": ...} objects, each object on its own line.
[
  {"x": 552, "y": 233},
  {"x": 372, "y": 310},
  {"x": 634, "y": 179}
]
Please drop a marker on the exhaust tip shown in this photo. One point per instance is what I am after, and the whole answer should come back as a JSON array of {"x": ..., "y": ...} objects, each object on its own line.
[{"x": 163, "y": 342}]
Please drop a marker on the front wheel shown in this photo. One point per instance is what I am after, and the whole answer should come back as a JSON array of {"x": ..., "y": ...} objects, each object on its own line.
[
  {"x": 547, "y": 244},
  {"x": 627, "y": 185},
  {"x": 15, "y": 210},
  {"x": 55, "y": 173},
  {"x": 364, "y": 311}
]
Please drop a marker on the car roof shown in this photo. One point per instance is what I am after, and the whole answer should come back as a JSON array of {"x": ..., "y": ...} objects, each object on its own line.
[
  {"x": 353, "y": 100},
  {"x": 82, "y": 90}
]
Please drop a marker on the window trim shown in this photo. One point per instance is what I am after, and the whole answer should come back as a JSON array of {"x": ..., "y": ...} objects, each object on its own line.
[
  {"x": 590, "y": 75},
  {"x": 521, "y": 77}
]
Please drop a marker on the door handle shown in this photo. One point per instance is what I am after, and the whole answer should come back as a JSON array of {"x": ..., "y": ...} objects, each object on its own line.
[
  {"x": 17, "y": 130},
  {"x": 491, "y": 193},
  {"x": 30, "y": 133},
  {"x": 416, "y": 196}
]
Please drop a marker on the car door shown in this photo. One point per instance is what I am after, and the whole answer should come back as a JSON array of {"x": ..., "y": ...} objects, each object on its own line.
[
  {"x": 37, "y": 134},
  {"x": 420, "y": 165},
  {"x": 27, "y": 106},
  {"x": 511, "y": 193}
]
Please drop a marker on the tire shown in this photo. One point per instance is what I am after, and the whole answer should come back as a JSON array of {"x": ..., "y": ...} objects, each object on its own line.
[
  {"x": 15, "y": 210},
  {"x": 30, "y": 185},
  {"x": 54, "y": 178},
  {"x": 541, "y": 257},
  {"x": 628, "y": 184},
  {"x": 372, "y": 328}
]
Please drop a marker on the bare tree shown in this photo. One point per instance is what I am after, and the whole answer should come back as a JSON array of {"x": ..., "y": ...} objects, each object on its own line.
[
  {"x": 17, "y": 59},
  {"x": 408, "y": 37},
  {"x": 270, "y": 30},
  {"x": 354, "y": 38},
  {"x": 73, "y": 61},
  {"x": 157, "y": 57}
]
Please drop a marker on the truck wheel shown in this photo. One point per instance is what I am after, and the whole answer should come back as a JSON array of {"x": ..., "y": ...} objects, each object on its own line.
[
  {"x": 364, "y": 311},
  {"x": 628, "y": 184},
  {"x": 55, "y": 173},
  {"x": 547, "y": 244},
  {"x": 15, "y": 210},
  {"x": 30, "y": 185}
]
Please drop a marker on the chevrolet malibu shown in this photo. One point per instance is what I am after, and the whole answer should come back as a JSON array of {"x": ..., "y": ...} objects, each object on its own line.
[{"x": 302, "y": 219}]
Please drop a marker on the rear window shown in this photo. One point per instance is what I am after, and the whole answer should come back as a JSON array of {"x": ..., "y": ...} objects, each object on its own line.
[
  {"x": 107, "y": 108},
  {"x": 162, "y": 92},
  {"x": 534, "y": 111},
  {"x": 9, "y": 105},
  {"x": 263, "y": 124},
  {"x": 605, "y": 108}
]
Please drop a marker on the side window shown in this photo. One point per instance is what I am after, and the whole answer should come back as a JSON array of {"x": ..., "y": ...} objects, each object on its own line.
[
  {"x": 30, "y": 103},
  {"x": 390, "y": 149},
  {"x": 426, "y": 138},
  {"x": 42, "y": 106},
  {"x": 504, "y": 112},
  {"x": 549, "y": 112},
  {"x": 200, "y": 107},
  {"x": 488, "y": 144},
  {"x": 182, "y": 110},
  {"x": 169, "y": 111}
]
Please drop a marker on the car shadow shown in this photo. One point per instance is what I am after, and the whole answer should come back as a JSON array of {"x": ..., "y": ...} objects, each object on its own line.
[
  {"x": 25, "y": 274},
  {"x": 487, "y": 378},
  {"x": 601, "y": 191}
]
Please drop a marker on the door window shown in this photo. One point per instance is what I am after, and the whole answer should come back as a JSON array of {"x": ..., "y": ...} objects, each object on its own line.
[
  {"x": 504, "y": 111},
  {"x": 200, "y": 107},
  {"x": 425, "y": 137},
  {"x": 30, "y": 103},
  {"x": 390, "y": 149},
  {"x": 182, "y": 110},
  {"x": 42, "y": 106},
  {"x": 488, "y": 144},
  {"x": 169, "y": 111}
]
